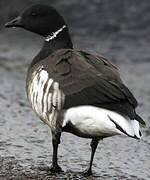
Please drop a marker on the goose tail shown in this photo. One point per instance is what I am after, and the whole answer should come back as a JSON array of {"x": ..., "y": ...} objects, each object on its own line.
[{"x": 128, "y": 127}]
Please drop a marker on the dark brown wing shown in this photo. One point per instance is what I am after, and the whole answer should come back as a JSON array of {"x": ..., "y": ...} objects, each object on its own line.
[{"x": 90, "y": 79}]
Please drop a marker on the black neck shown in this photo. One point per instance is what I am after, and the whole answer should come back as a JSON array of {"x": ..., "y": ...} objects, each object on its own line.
[{"x": 62, "y": 41}]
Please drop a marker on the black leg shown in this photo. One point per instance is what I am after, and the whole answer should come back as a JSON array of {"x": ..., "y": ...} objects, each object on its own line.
[
  {"x": 93, "y": 145},
  {"x": 55, "y": 168}
]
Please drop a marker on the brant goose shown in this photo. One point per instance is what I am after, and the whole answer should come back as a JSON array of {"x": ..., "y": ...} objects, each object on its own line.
[{"x": 72, "y": 90}]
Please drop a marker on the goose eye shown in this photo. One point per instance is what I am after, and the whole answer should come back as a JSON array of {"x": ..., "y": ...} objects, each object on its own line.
[{"x": 33, "y": 14}]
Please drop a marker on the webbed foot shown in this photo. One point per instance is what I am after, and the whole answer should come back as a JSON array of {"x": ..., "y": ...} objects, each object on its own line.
[
  {"x": 55, "y": 169},
  {"x": 87, "y": 172}
]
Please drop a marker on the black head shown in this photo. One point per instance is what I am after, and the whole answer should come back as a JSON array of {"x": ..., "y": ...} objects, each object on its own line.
[{"x": 40, "y": 19}]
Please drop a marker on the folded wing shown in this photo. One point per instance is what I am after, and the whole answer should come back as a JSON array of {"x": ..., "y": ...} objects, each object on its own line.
[{"x": 90, "y": 79}]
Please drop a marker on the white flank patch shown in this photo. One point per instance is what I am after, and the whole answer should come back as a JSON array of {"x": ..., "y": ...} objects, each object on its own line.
[
  {"x": 37, "y": 88},
  {"x": 56, "y": 89},
  {"x": 59, "y": 99},
  {"x": 95, "y": 121},
  {"x": 46, "y": 100},
  {"x": 43, "y": 77},
  {"x": 49, "y": 101},
  {"x": 57, "y": 96},
  {"x": 44, "y": 94},
  {"x": 38, "y": 83}
]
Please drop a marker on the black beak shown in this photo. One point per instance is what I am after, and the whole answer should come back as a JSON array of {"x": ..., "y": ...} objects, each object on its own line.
[{"x": 14, "y": 23}]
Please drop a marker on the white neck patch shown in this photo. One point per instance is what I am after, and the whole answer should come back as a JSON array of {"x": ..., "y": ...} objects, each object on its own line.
[{"x": 54, "y": 34}]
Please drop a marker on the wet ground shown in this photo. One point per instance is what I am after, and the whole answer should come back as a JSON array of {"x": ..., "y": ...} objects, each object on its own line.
[{"x": 25, "y": 142}]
